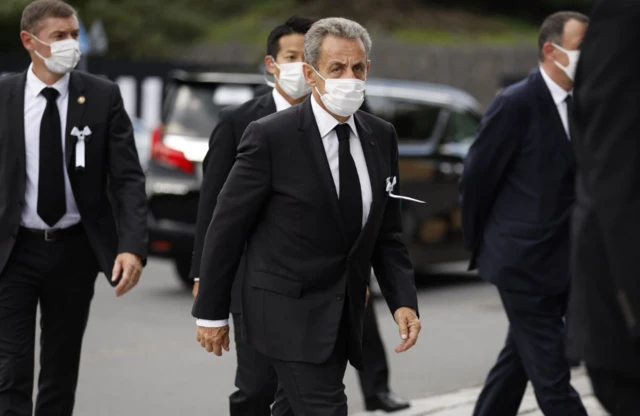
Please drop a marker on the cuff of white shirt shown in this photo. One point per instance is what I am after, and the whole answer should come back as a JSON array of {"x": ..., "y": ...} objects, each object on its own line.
[
  {"x": 196, "y": 279},
  {"x": 212, "y": 324}
]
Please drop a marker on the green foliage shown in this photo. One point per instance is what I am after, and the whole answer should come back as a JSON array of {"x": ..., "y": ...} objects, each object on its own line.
[
  {"x": 157, "y": 28},
  {"x": 136, "y": 28}
]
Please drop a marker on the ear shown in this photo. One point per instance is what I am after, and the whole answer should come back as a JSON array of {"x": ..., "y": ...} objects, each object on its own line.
[
  {"x": 310, "y": 75},
  {"x": 269, "y": 64},
  {"x": 368, "y": 67},
  {"x": 548, "y": 50},
  {"x": 28, "y": 41}
]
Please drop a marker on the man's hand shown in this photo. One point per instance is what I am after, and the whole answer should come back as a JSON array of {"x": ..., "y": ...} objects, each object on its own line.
[
  {"x": 214, "y": 339},
  {"x": 130, "y": 267},
  {"x": 196, "y": 286},
  {"x": 409, "y": 326}
]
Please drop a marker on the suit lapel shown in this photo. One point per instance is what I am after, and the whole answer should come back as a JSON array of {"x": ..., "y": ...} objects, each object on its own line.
[
  {"x": 16, "y": 119},
  {"x": 267, "y": 105},
  {"x": 549, "y": 111},
  {"x": 75, "y": 111},
  {"x": 312, "y": 144}
]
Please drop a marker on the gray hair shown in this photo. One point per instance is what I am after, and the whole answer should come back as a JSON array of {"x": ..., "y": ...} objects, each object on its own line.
[{"x": 335, "y": 26}]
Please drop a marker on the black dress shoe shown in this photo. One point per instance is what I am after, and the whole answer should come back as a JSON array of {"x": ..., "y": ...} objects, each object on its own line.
[{"x": 387, "y": 401}]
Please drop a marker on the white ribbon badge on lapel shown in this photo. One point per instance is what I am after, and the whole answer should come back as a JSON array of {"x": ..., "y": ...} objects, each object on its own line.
[
  {"x": 80, "y": 149},
  {"x": 391, "y": 182}
]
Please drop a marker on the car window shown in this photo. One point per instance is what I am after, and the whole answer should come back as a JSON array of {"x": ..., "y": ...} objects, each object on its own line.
[
  {"x": 195, "y": 108},
  {"x": 462, "y": 128},
  {"x": 414, "y": 121}
]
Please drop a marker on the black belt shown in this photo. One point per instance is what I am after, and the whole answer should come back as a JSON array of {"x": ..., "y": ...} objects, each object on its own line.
[{"x": 55, "y": 234}]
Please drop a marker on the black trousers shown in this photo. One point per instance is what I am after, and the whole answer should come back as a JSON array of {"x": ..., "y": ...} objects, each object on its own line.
[
  {"x": 619, "y": 394},
  {"x": 256, "y": 378},
  {"x": 535, "y": 351},
  {"x": 375, "y": 376},
  {"x": 60, "y": 276},
  {"x": 257, "y": 381},
  {"x": 306, "y": 389}
]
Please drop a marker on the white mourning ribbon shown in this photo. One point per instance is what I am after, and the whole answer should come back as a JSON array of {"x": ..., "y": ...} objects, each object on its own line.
[
  {"x": 80, "y": 149},
  {"x": 391, "y": 182}
]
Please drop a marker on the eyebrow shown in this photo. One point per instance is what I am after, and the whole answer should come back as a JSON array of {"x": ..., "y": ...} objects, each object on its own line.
[
  {"x": 342, "y": 63},
  {"x": 62, "y": 32}
]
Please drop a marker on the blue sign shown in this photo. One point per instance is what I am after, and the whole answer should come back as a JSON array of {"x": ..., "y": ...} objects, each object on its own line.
[{"x": 85, "y": 43}]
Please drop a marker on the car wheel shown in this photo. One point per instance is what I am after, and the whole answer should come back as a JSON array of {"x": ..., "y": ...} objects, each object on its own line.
[{"x": 183, "y": 267}]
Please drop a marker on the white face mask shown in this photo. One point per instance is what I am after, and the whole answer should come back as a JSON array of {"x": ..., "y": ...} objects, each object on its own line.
[
  {"x": 291, "y": 79},
  {"x": 570, "y": 69},
  {"x": 343, "y": 96},
  {"x": 65, "y": 55}
]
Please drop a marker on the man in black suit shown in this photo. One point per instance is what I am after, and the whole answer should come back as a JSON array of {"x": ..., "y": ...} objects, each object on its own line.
[
  {"x": 308, "y": 199},
  {"x": 66, "y": 154},
  {"x": 604, "y": 329},
  {"x": 255, "y": 377},
  {"x": 517, "y": 193}
]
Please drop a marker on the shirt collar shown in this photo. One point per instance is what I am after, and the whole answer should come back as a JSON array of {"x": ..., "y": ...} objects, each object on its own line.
[
  {"x": 281, "y": 102},
  {"x": 557, "y": 92},
  {"x": 35, "y": 85},
  {"x": 326, "y": 122}
]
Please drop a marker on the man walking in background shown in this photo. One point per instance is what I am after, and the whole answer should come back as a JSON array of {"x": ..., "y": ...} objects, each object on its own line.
[
  {"x": 255, "y": 377},
  {"x": 67, "y": 153},
  {"x": 517, "y": 193},
  {"x": 604, "y": 329}
]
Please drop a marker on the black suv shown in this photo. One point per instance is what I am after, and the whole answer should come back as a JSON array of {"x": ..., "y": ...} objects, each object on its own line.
[{"x": 435, "y": 124}]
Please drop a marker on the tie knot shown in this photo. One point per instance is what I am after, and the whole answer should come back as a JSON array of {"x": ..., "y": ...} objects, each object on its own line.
[
  {"x": 49, "y": 93},
  {"x": 343, "y": 131},
  {"x": 569, "y": 99}
]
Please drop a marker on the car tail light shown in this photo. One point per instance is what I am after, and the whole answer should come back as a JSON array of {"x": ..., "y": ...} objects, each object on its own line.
[{"x": 162, "y": 153}]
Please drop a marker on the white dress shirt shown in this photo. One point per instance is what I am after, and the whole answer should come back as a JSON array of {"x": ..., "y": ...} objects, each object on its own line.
[
  {"x": 326, "y": 126},
  {"x": 559, "y": 96},
  {"x": 34, "y": 106},
  {"x": 281, "y": 102}
]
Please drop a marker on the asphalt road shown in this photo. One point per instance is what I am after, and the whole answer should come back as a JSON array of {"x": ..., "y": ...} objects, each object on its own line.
[{"x": 141, "y": 358}]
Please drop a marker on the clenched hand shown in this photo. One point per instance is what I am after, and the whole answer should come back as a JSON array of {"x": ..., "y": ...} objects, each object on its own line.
[
  {"x": 214, "y": 339},
  {"x": 409, "y": 326},
  {"x": 128, "y": 269}
]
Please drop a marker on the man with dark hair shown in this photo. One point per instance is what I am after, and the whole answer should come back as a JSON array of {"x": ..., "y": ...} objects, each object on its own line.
[
  {"x": 517, "y": 193},
  {"x": 255, "y": 378},
  {"x": 604, "y": 306},
  {"x": 72, "y": 203}
]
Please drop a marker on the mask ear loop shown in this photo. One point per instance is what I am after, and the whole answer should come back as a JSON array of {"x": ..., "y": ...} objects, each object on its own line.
[{"x": 266, "y": 80}]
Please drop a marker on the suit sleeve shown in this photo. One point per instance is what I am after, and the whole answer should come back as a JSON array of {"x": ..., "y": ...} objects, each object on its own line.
[
  {"x": 390, "y": 259},
  {"x": 484, "y": 166},
  {"x": 216, "y": 167},
  {"x": 127, "y": 181},
  {"x": 240, "y": 203}
]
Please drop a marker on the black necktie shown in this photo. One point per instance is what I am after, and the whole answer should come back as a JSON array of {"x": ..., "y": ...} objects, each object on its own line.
[
  {"x": 350, "y": 192},
  {"x": 570, "y": 117},
  {"x": 51, "y": 191}
]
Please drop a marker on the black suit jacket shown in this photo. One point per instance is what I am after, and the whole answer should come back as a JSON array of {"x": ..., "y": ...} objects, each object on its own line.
[
  {"x": 604, "y": 307},
  {"x": 517, "y": 192},
  {"x": 216, "y": 166},
  {"x": 280, "y": 200},
  {"x": 110, "y": 192}
]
